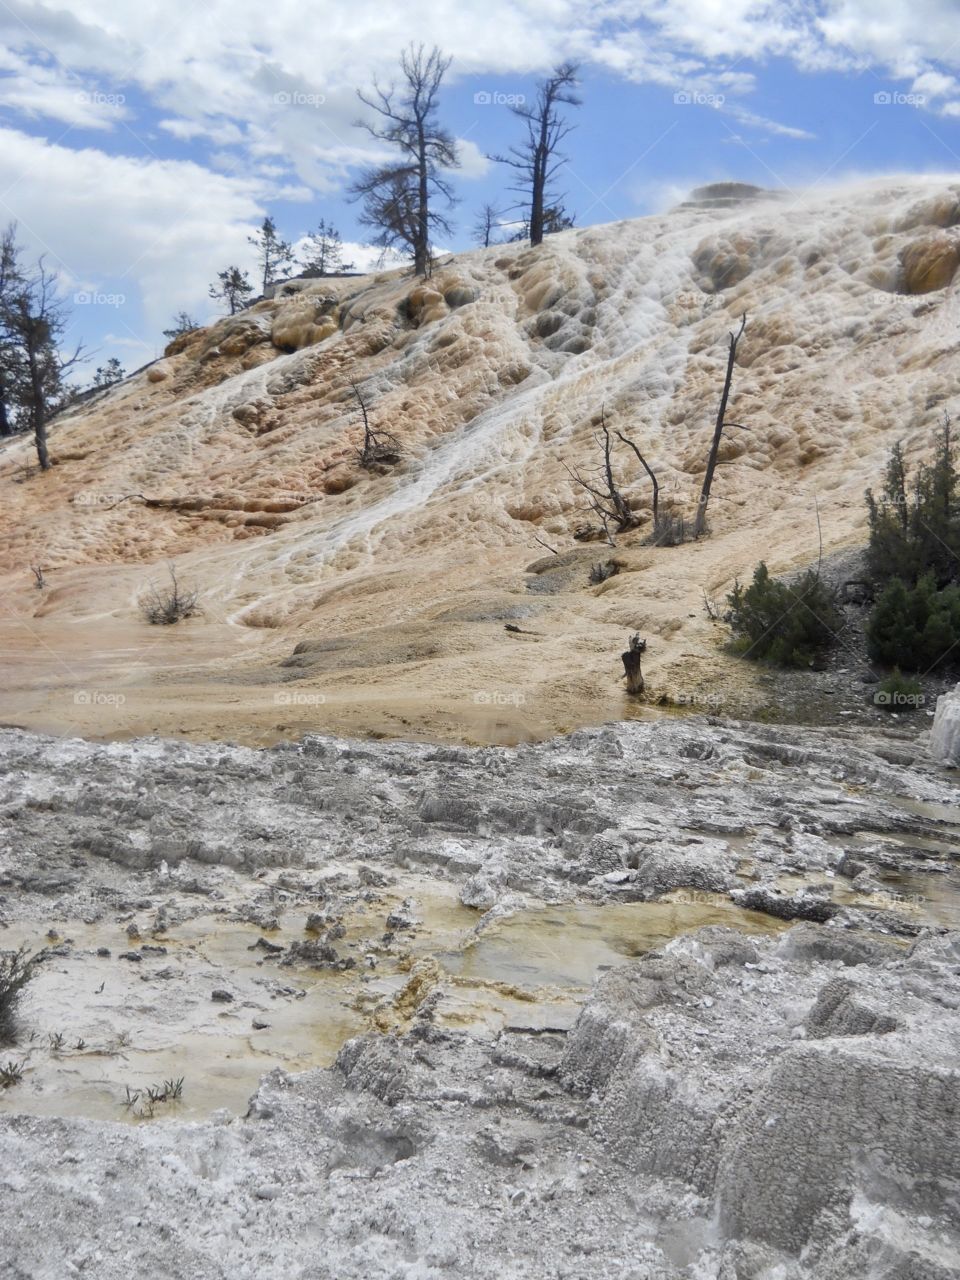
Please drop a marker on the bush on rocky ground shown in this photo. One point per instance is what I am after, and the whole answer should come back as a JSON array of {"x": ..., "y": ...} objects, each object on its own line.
[
  {"x": 164, "y": 606},
  {"x": 899, "y": 692},
  {"x": 916, "y": 628},
  {"x": 788, "y": 625}
]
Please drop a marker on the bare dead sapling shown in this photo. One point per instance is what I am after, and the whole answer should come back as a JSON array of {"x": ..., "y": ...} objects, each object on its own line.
[
  {"x": 380, "y": 448},
  {"x": 721, "y": 423},
  {"x": 607, "y": 500}
]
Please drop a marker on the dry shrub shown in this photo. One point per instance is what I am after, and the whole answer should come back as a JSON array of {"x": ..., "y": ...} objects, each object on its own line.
[{"x": 163, "y": 606}]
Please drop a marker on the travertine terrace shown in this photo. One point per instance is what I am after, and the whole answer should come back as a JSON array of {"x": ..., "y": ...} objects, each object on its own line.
[{"x": 339, "y": 599}]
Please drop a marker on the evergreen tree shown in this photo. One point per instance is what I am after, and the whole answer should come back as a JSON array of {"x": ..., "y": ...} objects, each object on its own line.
[
  {"x": 916, "y": 628},
  {"x": 110, "y": 373},
  {"x": 786, "y": 625},
  {"x": 556, "y": 218},
  {"x": 935, "y": 527},
  {"x": 33, "y": 321},
  {"x": 323, "y": 255},
  {"x": 234, "y": 289},
  {"x": 274, "y": 253},
  {"x": 915, "y": 531},
  {"x": 11, "y": 372},
  {"x": 182, "y": 323},
  {"x": 914, "y": 556}
]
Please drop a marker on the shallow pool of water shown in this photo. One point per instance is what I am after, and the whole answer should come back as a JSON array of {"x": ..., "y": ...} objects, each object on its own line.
[{"x": 99, "y": 1028}]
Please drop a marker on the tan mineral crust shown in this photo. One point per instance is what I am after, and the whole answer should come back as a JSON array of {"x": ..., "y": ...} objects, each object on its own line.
[{"x": 375, "y": 602}]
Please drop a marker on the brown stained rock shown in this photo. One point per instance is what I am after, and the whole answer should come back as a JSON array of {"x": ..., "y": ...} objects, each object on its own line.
[{"x": 929, "y": 264}]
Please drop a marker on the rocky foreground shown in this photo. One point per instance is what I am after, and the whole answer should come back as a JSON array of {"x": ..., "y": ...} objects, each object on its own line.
[{"x": 774, "y": 1097}]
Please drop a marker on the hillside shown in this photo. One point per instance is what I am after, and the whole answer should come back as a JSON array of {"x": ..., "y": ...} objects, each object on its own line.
[{"x": 339, "y": 599}]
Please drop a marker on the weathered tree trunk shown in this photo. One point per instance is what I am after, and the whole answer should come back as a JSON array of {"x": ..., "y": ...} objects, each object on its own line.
[
  {"x": 537, "y": 198},
  {"x": 39, "y": 410},
  {"x": 631, "y": 665},
  {"x": 40, "y": 436},
  {"x": 421, "y": 253},
  {"x": 6, "y": 427},
  {"x": 717, "y": 433}
]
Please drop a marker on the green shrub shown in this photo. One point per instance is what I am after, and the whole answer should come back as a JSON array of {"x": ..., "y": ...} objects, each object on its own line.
[
  {"x": 917, "y": 627},
  {"x": 915, "y": 527},
  {"x": 899, "y": 693},
  {"x": 786, "y": 625},
  {"x": 16, "y": 970}
]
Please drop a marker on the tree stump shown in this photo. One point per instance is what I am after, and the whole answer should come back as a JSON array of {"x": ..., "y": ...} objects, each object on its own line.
[{"x": 631, "y": 664}]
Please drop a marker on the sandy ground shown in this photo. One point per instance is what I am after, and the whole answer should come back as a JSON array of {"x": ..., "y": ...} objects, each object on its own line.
[{"x": 238, "y": 465}]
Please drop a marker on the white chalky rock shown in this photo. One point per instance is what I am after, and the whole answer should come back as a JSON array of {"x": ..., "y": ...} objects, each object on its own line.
[{"x": 945, "y": 734}]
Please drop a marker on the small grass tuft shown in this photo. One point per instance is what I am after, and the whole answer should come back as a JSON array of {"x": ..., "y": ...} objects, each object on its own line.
[
  {"x": 11, "y": 1073},
  {"x": 143, "y": 1102}
]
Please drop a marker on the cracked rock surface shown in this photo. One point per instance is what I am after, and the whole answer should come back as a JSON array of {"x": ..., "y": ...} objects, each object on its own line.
[{"x": 732, "y": 1101}]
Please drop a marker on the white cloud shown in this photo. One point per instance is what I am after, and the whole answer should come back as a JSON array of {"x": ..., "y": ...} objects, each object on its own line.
[
  {"x": 36, "y": 90},
  {"x": 768, "y": 126},
  {"x": 473, "y": 162},
  {"x": 933, "y": 84},
  {"x": 152, "y": 231},
  {"x": 257, "y": 80}
]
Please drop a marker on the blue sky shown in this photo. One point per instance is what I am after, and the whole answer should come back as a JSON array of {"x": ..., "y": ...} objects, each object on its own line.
[{"x": 141, "y": 145}]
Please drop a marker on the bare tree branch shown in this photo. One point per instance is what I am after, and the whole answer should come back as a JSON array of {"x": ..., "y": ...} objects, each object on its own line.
[{"x": 701, "y": 519}]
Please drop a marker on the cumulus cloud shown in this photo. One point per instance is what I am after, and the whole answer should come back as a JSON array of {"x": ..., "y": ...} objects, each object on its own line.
[
  {"x": 254, "y": 82},
  {"x": 147, "y": 230}
]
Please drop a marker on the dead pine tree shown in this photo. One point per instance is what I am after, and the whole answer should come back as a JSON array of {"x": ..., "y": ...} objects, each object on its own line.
[
  {"x": 701, "y": 519},
  {"x": 536, "y": 159},
  {"x": 400, "y": 195},
  {"x": 606, "y": 500},
  {"x": 380, "y": 448},
  {"x": 631, "y": 664}
]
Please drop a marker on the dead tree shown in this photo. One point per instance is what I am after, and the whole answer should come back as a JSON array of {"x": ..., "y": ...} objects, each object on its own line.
[
  {"x": 631, "y": 664},
  {"x": 399, "y": 196},
  {"x": 607, "y": 500},
  {"x": 536, "y": 159},
  {"x": 701, "y": 520},
  {"x": 485, "y": 227},
  {"x": 653, "y": 479},
  {"x": 380, "y": 448}
]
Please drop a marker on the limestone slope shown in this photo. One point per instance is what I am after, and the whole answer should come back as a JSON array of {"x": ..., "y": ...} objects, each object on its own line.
[{"x": 235, "y": 458}]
